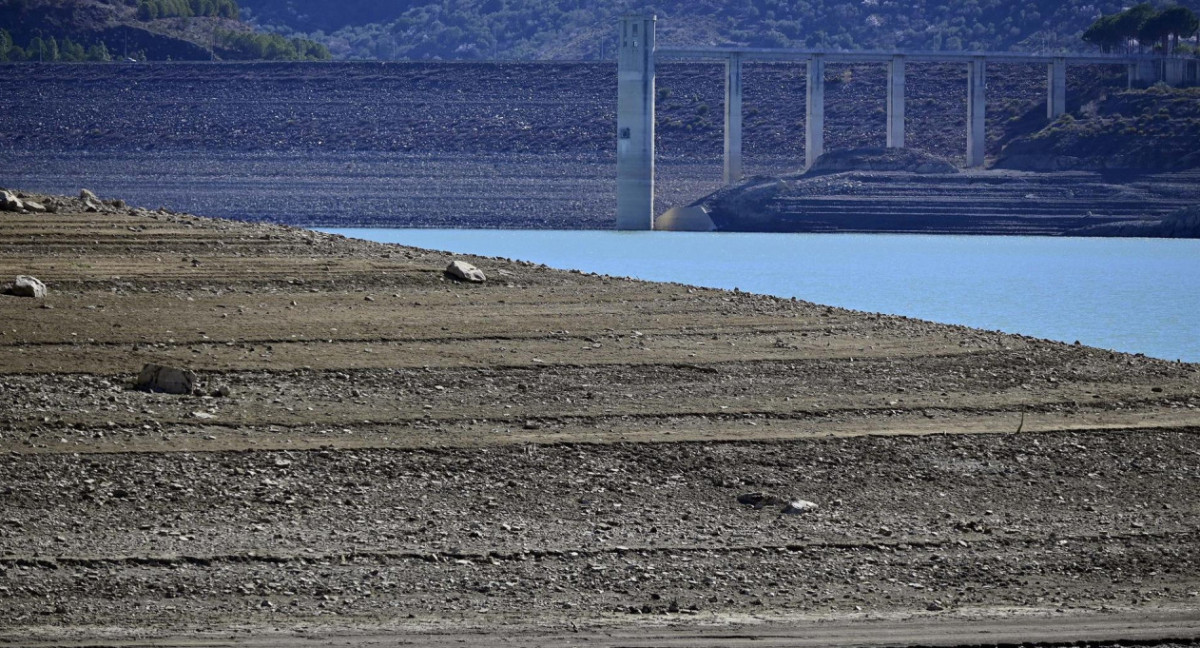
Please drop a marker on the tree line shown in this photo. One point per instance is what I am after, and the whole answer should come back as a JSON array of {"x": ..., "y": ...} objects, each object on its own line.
[
  {"x": 1142, "y": 25},
  {"x": 50, "y": 49},
  {"x": 152, "y": 9},
  {"x": 252, "y": 46},
  {"x": 532, "y": 29}
]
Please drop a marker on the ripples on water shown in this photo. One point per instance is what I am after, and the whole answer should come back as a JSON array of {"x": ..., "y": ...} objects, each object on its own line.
[{"x": 1134, "y": 295}]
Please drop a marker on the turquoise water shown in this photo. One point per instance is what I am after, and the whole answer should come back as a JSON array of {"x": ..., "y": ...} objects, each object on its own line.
[{"x": 1134, "y": 295}]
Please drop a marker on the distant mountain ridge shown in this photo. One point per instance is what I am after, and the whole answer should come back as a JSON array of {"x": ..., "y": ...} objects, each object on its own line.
[
  {"x": 585, "y": 29},
  {"x": 100, "y": 30}
]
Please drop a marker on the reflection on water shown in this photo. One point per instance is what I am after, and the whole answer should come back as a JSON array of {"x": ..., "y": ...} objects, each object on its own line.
[{"x": 1135, "y": 295}]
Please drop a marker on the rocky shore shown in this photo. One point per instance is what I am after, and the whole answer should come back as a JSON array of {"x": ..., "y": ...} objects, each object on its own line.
[
  {"x": 375, "y": 452},
  {"x": 889, "y": 191}
]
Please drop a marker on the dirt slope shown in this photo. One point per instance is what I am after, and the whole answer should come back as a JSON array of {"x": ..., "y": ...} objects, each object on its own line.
[{"x": 553, "y": 451}]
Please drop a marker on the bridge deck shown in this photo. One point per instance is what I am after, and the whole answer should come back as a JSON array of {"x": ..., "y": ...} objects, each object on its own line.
[{"x": 876, "y": 56}]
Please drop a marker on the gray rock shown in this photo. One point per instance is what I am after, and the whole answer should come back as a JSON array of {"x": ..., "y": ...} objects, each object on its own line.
[
  {"x": 168, "y": 380},
  {"x": 799, "y": 506},
  {"x": 26, "y": 286},
  {"x": 34, "y": 206},
  {"x": 91, "y": 201},
  {"x": 10, "y": 202},
  {"x": 464, "y": 271},
  {"x": 759, "y": 499}
]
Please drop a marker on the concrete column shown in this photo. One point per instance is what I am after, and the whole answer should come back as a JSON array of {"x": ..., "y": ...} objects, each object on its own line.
[
  {"x": 1056, "y": 89},
  {"x": 976, "y": 138},
  {"x": 1173, "y": 71},
  {"x": 814, "y": 116},
  {"x": 895, "y": 103},
  {"x": 733, "y": 118},
  {"x": 1142, "y": 74},
  {"x": 635, "y": 123}
]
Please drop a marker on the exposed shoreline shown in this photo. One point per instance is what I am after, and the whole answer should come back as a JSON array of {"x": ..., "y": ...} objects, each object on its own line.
[{"x": 551, "y": 450}]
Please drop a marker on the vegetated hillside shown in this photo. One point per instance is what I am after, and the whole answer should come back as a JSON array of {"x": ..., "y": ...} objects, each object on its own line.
[
  {"x": 100, "y": 30},
  {"x": 585, "y": 29},
  {"x": 1145, "y": 130}
]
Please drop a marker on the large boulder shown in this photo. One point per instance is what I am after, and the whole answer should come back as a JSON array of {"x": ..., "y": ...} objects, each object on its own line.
[
  {"x": 90, "y": 200},
  {"x": 464, "y": 271},
  {"x": 167, "y": 380},
  {"x": 10, "y": 202},
  {"x": 26, "y": 286}
]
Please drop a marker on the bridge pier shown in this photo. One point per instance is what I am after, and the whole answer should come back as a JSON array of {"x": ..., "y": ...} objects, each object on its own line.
[
  {"x": 1174, "y": 71},
  {"x": 895, "y": 103},
  {"x": 814, "y": 116},
  {"x": 733, "y": 118},
  {"x": 635, "y": 123},
  {"x": 635, "y": 100},
  {"x": 1056, "y": 88},
  {"x": 976, "y": 111},
  {"x": 1142, "y": 73}
]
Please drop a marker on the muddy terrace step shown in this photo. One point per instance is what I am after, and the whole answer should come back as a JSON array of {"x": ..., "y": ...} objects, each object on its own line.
[
  {"x": 935, "y": 224},
  {"x": 963, "y": 209},
  {"x": 1074, "y": 202}
]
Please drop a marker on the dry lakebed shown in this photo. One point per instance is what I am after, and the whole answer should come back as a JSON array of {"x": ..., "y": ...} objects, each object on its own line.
[{"x": 378, "y": 454}]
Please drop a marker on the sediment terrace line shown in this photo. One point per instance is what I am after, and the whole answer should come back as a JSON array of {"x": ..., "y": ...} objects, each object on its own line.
[
  {"x": 438, "y": 438},
  {"x": 578, "y": 553}
]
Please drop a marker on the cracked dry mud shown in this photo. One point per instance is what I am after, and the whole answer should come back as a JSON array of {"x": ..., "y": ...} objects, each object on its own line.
[{"x": 405, "y": 458}]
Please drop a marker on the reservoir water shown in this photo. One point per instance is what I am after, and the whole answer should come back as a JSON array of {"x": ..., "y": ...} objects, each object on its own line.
[{"x": 1134, "y": 295}]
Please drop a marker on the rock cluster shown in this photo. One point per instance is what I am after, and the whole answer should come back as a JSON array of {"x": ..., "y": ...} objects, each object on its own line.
[{"x": 12, "y": 202}]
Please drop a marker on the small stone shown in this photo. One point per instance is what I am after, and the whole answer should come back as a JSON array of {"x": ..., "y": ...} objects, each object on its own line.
[
  {"x": 222, "y": 391},
  {"x": 798, "y": 506},
  {"x": 168, "y": 380},
  {"x": 759, "y": 499},
  {"x": 464, "y": 271}
]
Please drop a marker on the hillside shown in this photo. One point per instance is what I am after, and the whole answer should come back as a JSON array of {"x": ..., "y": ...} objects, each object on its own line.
[
  {"x": 96, "y": 30},
  {"x": 582, "y": 29},
  {"x": 1149, "y": 130}
]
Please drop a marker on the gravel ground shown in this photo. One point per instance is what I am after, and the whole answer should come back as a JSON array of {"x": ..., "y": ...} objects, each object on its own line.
[{"x": 553, "y": 451}]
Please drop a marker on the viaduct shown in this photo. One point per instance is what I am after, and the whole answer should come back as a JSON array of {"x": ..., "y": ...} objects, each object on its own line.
[{"x": 636, "y": 96}]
